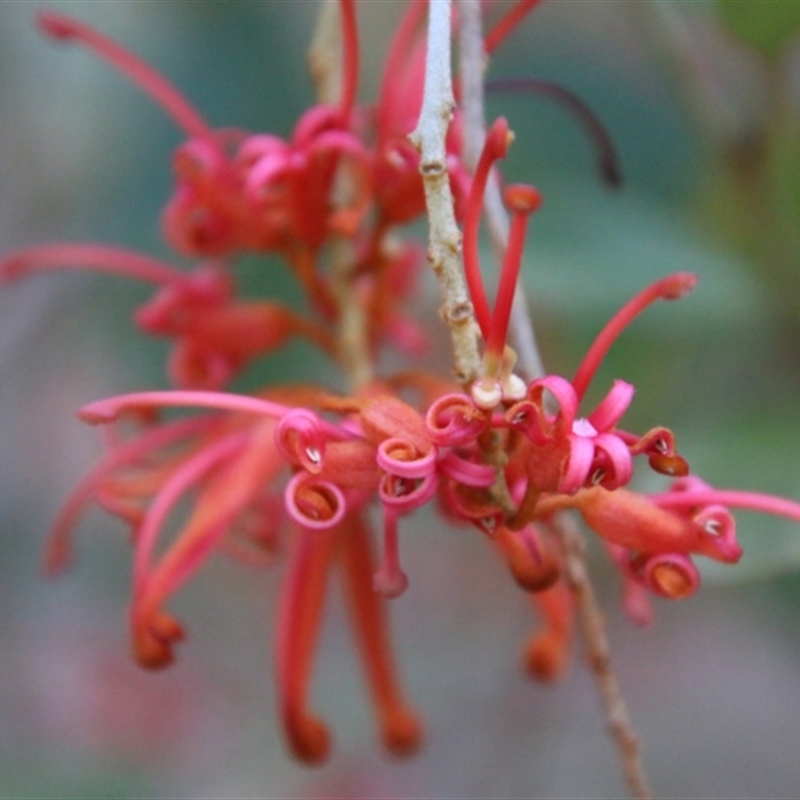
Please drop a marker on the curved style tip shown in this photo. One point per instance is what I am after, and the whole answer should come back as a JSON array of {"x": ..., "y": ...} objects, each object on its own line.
[{"x": 56, "y": 25}]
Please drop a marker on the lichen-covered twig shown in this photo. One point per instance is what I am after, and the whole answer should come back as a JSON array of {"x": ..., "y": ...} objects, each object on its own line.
[{"x": 444, "y": 247}]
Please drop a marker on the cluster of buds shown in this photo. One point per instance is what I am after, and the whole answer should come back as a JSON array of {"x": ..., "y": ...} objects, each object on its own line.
[{"x": 301, "y": 469}]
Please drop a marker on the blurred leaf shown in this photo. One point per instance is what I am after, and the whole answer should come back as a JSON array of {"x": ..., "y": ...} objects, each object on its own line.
[{"x": 767, "y": 25}]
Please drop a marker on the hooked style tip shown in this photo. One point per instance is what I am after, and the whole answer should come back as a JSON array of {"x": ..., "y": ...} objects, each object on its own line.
[
  {"x": 522, "y": 198},
  {"x": 546, "y": 657},
  {"x": 97, "y": 413},
  {"x": 389, "y": 583},
  {"x": 533, "y": 565},
  {"x": 12, "y": 269},
  {"x": 309, "y": 740},
  {"x": 610, "y": 171},
  {"x": 56, "y": 25},
  {"x": 498, "y": 139},
  {"x": 153, "y": 643},
  {"x": 678, "y": 285},
  {"x": 402, "y": 734}
]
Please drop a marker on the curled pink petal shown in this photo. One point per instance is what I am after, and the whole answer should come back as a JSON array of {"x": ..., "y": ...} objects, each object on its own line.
[
  {"x": 300, "y": 439},
  {"x": 262, "y": 175},
  {"x": 658, "y": 444},
  {"x": 315, "y": 121},
  {"x": 338, "y": 142},
  {"x": 404, "y": 494},
  {"x": 313, "y": 503},
  {"x": 719, "y": 528},
  {"x": 398, "y": 457},
  {"x": 466, "y": 472},
  {"x": 612, "y": 466},
  {"x": 258, "y": 146},
  {"x": 563, "y": 392},
  {"x": 581, "y": 455},
  {"x": 199, "y": 160},
  {"x": 453, "y": 419},
  {"x": 610, "y": 410},
  {"x": 528, "y": 418}
]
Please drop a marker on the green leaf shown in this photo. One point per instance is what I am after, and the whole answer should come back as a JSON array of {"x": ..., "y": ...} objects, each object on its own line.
[{"x": 767, "y": 25}]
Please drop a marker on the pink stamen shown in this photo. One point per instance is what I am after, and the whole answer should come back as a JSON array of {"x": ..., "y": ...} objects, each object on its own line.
[
  {"x": 547, "y": 652},
  {"x": 402, "y": 45},
  {"x": 114, "y": 260},
  {"x": 522, "y": 200},
  {"x": 749, "y": 501},
  {"x": 389, "y": 579},
  {"x": 507, "y": 24},
  {"x": 672, "y": 287},
  {"x": 245, "y": 462},
  {"x": 350, "y": 52},
  {"x": 144, "y": 76},
  {"x": 59, "y": 543},
  {"x": 400, "y": 728},
  {"x": 495, "y": 146},
  {"x": 103, "y": 411},
  {"x": 189, "y": 474},
  {"x": 299, "y": 615}
]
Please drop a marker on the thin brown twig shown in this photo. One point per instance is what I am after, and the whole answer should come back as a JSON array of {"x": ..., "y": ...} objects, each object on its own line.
[{"x": 598, "y": 655}]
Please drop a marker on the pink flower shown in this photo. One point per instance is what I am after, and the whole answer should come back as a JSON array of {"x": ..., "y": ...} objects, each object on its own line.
[
  {"x": 215, "y": 336},
  {"x": 231, "y": 460}
]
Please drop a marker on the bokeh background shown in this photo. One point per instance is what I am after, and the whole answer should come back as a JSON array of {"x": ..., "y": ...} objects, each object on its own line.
[{"x": 701, "y": 99}]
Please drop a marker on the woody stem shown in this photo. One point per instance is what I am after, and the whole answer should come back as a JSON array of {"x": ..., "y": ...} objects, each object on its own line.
[
  {"x": 444, "y": 248},
  {"x": 598, "y": 655}
]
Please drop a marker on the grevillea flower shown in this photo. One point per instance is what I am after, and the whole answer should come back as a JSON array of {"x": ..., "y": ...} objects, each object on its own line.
[
  {"x": 562, "y": 451},
  {"x": 215, "y": 335},
  {"x": 303, "y": 472},
  {"x": 231, "y": 461},
  {"x": 234, "y": 460},
  {"x": 235, "y": 191}
]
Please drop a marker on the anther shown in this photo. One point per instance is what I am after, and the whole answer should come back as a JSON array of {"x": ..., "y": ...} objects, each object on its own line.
[
  {"x": 597, "y": 476},
  {"x": 314, "y": 456}
]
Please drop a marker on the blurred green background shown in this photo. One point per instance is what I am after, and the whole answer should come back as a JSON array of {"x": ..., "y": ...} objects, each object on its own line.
[{"x": 701, "y": 99}]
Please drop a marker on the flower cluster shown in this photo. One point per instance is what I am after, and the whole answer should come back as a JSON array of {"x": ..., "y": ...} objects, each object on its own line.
[{"x": 303, "y": 469}]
